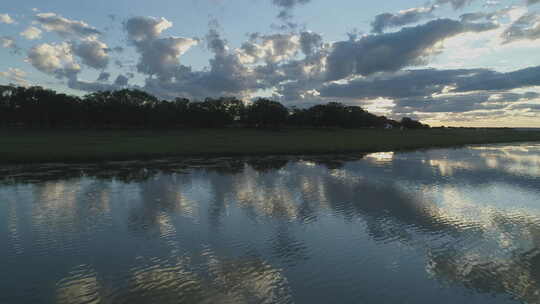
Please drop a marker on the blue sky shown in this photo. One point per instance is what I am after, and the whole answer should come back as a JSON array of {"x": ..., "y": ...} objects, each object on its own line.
[{"x": 451, "y": 62}]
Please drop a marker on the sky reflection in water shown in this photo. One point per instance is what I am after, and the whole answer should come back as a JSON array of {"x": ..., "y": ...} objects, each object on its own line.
[{"x": 449, "y": 225}]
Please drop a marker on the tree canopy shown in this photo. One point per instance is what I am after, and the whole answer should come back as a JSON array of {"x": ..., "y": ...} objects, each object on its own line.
[{"x": 44, "y": 108}]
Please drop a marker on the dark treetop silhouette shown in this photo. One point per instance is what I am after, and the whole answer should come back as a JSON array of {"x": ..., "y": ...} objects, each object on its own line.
[{"x": 44, "y": 108}]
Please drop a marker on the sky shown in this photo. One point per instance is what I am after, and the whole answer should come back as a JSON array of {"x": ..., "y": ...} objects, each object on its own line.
[{"x": 445, "y": 62}]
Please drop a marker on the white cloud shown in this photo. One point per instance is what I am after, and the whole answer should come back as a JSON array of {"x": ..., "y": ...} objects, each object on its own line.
[
  {"x": 5, "y": 18},
  {"x": 54, "y": 59},
  {"x": 15, "y": 75},
  {"x": 64, "y": 27},
  {"x": 31, "y": 33},
  {"x": 7, "y": 42},
  {"x": 270, "y": 48}
]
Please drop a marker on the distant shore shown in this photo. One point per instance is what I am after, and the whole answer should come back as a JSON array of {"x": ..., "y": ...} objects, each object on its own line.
[{"x": 20, "y": 146}]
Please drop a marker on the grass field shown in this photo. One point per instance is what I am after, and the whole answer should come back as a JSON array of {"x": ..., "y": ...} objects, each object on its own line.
[{"x": 31, "y": 146}]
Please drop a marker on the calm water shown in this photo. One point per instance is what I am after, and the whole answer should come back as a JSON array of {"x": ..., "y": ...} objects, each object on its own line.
[{"x": 437, "y": 226}]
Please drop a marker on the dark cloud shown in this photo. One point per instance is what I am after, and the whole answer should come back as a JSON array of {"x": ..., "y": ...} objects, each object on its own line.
[
  {"x": 93, "y": 53},
  {"x": 526, "y": 27},
  {"x": 145, "y": 28},
  {"x": 456, "y": 4},
  {"x": 461, "y": 103},
  {"x": 491, "y": 80},
  {"x": 393, "y": 51},
  {"x": 310, "y": 42},
  {"x": 86, "y": 86},
  {"x": 286, "y": 7},
  {"x": 389, "y": 20},
  {"x": 158, "y": 56},
  {"x": 121, "y": 81},
  {"x": 289, "y": 4},
  {"x": 471, "y": 17},
  {"x": 118, "y": 63},
  {"x": 441, "y": 91},
  {"x": 403, "y": 84},
  {"x": 104, "y": 76},
  {"x": 426, "y": 82},
  {"x": 215, "y": 43},
  {"x": 226, "y": 75},
  {"x": 531, "y": 2},
  {"x": 477, "y": 16}
]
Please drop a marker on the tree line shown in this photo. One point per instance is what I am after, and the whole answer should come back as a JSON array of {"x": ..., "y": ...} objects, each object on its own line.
[{"x": 44, "y": 108}]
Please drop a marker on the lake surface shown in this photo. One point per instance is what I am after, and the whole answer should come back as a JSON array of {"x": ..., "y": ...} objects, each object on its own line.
[{"x": 437, "y": 226}]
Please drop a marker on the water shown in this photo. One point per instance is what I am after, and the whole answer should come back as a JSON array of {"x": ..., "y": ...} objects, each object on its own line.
[{"x": 438, "y": 226}]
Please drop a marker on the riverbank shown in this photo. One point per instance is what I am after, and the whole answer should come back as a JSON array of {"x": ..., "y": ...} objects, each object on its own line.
[{"x": 35, "y": 146}]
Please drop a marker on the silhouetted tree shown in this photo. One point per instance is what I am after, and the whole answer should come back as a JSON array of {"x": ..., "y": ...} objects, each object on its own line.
[
  {"x": 410, "y": 123},
  {"x": 264, "y": 113},
  {"x": 39, "y": 107}
]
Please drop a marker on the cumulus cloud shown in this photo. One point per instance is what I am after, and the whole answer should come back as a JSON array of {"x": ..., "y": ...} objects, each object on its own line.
[
  {"x": 31, "y": 33},
  {"x": 159, "y": 59},
  {"x": 404, "y": 17},
  {"x": 271, "y": 62},
  {"x": 226, "y": 75},
  {"x": 16, "y": 76},
  {"x": 54, "y": 59},
  {"x": 92, "y": 52},
  {"x": 146, "y": 28},
  {"x": 393, "y": 51},
  {"x": 6, "y": 18},
  {"x": 158, "y": 56},
  {"x": 272, "y": 48},
  {"x": 64, "y": 27}
]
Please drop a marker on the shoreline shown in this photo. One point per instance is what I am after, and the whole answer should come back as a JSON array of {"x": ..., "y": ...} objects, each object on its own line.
[{"x": 23, "y": 146}]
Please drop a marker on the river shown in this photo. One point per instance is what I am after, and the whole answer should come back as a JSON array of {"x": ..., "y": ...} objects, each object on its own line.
[{"x": 437, "y": 226}]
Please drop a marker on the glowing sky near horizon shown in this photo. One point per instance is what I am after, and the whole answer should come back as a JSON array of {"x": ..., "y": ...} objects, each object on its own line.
[{"x": 445, "y": 62}]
